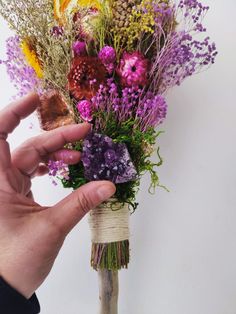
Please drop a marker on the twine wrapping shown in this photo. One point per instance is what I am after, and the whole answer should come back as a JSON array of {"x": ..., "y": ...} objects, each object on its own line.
[{"x": 109, "y": 224}]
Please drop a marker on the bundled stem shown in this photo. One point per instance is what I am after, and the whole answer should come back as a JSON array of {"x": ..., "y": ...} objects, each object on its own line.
[{"x": 111, "y": 256}]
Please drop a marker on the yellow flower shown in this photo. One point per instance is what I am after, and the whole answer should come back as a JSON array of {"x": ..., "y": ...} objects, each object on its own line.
[
  {"x": 90, "y": 3},
  {"x": 31, "y": 58}
]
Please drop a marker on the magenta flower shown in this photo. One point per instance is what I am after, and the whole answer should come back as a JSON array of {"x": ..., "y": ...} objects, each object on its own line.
[
  {"x": 107, "y": 56},
  {"x": 133, "y": 69},
  {"x": 85, "y": 110},
  {"x": 79, "y": 48}
]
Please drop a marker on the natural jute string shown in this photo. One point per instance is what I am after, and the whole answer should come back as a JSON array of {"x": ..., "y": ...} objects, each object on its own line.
[{"x": 109, "y": 224}]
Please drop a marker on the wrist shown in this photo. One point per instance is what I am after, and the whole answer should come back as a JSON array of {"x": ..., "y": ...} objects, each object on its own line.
[
  {"x": 11, "y": 301},
  {"x": 24, "y": 289}
]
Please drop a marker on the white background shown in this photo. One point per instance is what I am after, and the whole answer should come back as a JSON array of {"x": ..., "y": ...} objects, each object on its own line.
[{"x": 183, "y": 242}]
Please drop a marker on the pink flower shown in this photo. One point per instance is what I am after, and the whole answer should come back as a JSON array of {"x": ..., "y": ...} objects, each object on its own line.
[
  {"x": 79, "y": 48},
  {"x": 133, "y": 69},
  {"x": 107, "y": 56},
  {"x": 85, "y": 110}
]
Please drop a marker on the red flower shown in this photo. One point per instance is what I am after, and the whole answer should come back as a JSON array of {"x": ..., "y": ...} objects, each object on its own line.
[{"x": 85, "y": 77}]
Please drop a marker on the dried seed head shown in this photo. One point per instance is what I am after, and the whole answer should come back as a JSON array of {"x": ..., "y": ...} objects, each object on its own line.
[{"x": 121, "y": 11}]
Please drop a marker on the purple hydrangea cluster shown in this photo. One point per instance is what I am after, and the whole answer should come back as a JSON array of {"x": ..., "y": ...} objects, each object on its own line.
[
  {"x": 22, "y": 75},
  {"x": 104, "y": 159},
  {"x": 58, "y": 169},
  {"x": 152, "y": 111}
]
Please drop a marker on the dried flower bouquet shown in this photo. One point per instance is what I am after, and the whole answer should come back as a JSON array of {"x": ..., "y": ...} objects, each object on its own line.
[{"x": 109, "y": 63}]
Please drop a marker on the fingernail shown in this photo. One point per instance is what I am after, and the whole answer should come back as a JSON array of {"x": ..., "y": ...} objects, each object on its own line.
[
  {"x": 106, "y": 191},
  {"x": 89, "y": 124}
]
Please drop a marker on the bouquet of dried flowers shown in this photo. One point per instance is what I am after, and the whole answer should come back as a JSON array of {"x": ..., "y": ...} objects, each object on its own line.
[{"x": 109, "y": 63}]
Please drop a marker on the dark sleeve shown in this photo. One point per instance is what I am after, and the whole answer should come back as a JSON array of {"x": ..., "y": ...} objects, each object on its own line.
[{"x": 11, "y": 302}]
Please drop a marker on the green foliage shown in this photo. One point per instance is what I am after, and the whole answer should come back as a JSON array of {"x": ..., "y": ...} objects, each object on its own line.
[
  {"x": 101, "y": 30},
  {"x": 77, "y": 178}
]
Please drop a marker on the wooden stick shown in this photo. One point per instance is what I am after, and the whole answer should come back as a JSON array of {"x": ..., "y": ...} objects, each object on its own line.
[{"x": 108, "y": 291}]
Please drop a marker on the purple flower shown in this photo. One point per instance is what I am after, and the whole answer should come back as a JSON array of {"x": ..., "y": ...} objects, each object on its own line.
[
  {"x": 184, "y": 57},
  {"x": 104, "y": 159},
  {"x": 133, "y": 69},
  {"x": 180, "y": 55},
  {"x": 85, "y": 110},
  {"x": 122, "y": 104},
  {"x": 146, "y": 108},
  {"x": 79, "y": 48},
  {"x": 58, "y": 169},
  {"x": 107, "y": 55},
  {"x": 21, "y": 74},
  {"x": 57, "y": 31},
  {"x": 151, "y": 111}
]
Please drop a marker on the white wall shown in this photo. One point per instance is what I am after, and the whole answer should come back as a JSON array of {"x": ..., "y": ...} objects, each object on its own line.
[{"x": 183, "y": 242}]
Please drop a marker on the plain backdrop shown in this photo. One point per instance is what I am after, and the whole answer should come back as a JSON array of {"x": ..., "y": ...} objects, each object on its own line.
[{"x": 183, "y": 242}]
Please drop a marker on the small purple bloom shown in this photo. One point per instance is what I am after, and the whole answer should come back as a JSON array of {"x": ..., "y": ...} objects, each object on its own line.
[
  {"x": 104, "y": 159},
  {"x": 79, "y": 48},
  {"x": 84, "y": 108},
  {"x": 107, "y": 55},
  {"x": 58, "y": 169},
  {"x": 151, "y": 111},
  {"x": 21, "y": 74},
  {"x": 57, "y": 31}
]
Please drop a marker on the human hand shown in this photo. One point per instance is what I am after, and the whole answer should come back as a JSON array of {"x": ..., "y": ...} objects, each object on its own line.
[{"x": 31, "y": 235}]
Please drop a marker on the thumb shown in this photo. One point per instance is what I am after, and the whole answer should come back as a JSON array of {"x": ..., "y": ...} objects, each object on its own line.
[{"x": 68, "y": 212}]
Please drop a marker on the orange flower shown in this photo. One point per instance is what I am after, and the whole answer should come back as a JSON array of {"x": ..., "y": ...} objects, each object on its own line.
[{"x": 61, "y": 6}]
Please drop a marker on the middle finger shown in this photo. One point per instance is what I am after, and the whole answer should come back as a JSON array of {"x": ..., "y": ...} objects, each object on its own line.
[{"x": 28, "y": 156}]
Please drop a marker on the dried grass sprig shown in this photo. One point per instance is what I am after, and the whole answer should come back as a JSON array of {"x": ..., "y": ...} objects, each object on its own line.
[{"x": 35, "y": 20}]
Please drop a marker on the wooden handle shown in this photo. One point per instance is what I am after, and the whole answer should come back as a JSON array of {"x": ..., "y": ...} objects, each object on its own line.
[{"x": 108, "y": 291}]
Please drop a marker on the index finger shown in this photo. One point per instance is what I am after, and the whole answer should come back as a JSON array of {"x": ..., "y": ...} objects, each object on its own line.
[{"x": 11, "y": 116}]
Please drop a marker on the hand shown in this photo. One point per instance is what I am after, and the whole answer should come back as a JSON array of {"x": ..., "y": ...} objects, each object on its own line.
[{"x": 31, "y": 235}]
